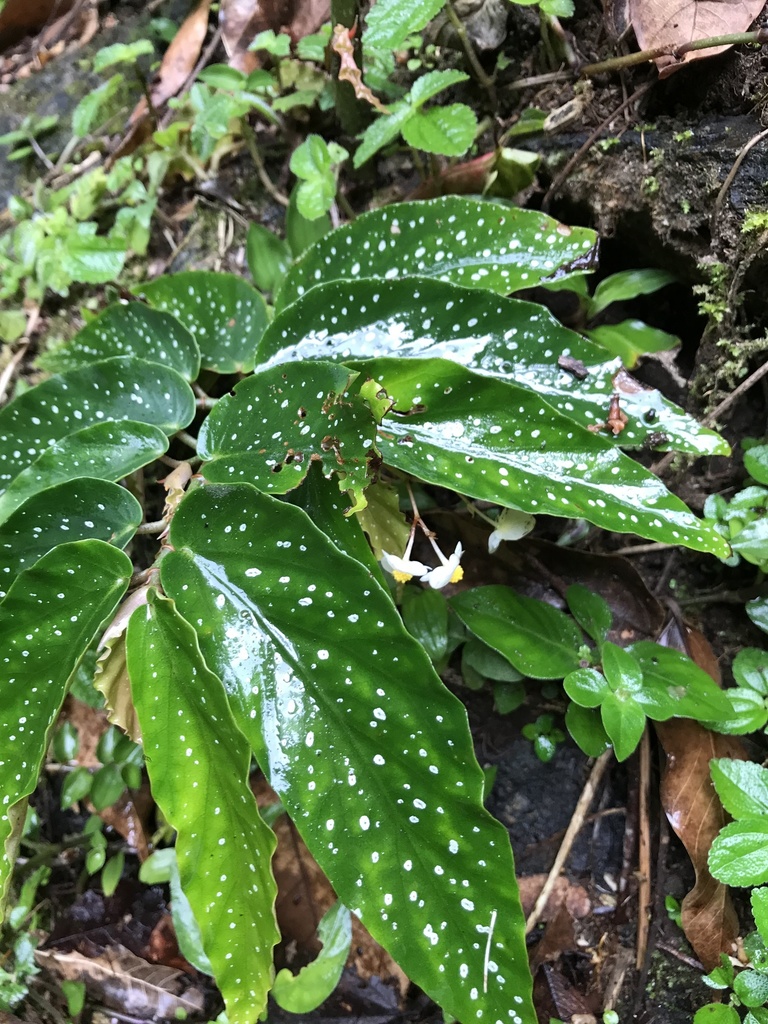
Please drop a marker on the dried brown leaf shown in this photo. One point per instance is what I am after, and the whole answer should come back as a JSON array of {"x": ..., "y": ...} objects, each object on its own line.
[
  {"x": 341, "y": 43},
  {"x": 127, "y": 983},
  {"x": 20, "y": 18},
  {"x": 240, "y": 21},
  {"x": 694, "y": 810},
  {"x": 111, "y": 677},
  {"x": 672, "y": 23}
]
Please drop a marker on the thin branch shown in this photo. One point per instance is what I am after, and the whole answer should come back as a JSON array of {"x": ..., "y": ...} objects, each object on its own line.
[
  {"x": 474, "y": 62},
  {"x": 576, "y": 823},
  {"x": 729, "y": 178},
  {"x": 745, "y": 386},
  {"x": 644, "y": 56}
]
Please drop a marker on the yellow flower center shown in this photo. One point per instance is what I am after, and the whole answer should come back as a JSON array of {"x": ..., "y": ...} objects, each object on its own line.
[
  {"x": 402, "y": 577},
  {"x": 458, "y": 574}
]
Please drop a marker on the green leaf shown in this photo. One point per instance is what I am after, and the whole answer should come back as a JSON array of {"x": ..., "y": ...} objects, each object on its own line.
[
  {"x": 198, "y": 763},
  {"x": 76, "y": 786},
  {"x": 162, "y": 866},
  {"x": 425, "y": 615},
  {"x": 469, "y": 242},
  {"x": 631, "y": 339},
  {"x": 305, "y": 991},
  {"x": 621, "y": 670},
  {"x": 105, "y": 451},
  {"x": 757, "y": 610},
  {"x": 368, "y": 751},
  {"x": 751, "y": 987},
  {"x": 275, "y": 423},
  {"x": 756, "y": 463},
  {"x": 488, "y": 662},
  {"x": 81, "y": 509},
  {"x": 624, "y": 721},
  {"x": 497, "y": 442},
  {"x": 87, "y": 112},
  {"x": 268, "y": 257},
  {"x": 222, "y": 312},
  {"x": 674, "y": 685},
  {"x": 427, "y": 86},
  {"x": 586, "y": 687},
  {"x": 590, "y": 610},
  {"x": 540, "y": 641},
  {"x": 742, "y": 787},
  {"x": 301, "y": 233},
  {"x": 759, "y": 901},
  {"x": 716, "y": 1013},
  {"x": 390, "y": 22},
  {"x": 129, "y": 329},
  {"x": 627, "y": 284},
  {"x": 382, "y": 131},
  {"x": 279, "y": 45},
  {"x": 449, "y": 131},
  {"x": 750, "y": 668},
  {"x": 508, "y": 338},
  {"x": 92, "y": 259},
  {"x": 47, "y": 620},
  {"x": 122, "y": 388},
  {"x": 748, "y": 712},
  {"x": 121, "y": 53},
  {"x": 739, "y": 854},
  {"x": 107, "y": 787},
  {"x": 586, "y": 727}
]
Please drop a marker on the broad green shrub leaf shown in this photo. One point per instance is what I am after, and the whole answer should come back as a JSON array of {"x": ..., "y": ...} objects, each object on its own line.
[
  {"x": 81, "y": 509},
  {"x": 627, "y": 284},
  {"x": 122, "y": 388},
  {"x": 716, "y": 1013},
  {"x": 198, "y": 763},
  {"x": 276, "y": 422},
  {"x": 162, "y": 866},
  {"x": 129, "y": 329},
  {"x": 368, "y": 751},
  {"x": 756, "y": 463},
  {"x": 47, "y": 620},
  {"x": 539, "y": 640},
  {"x": 92, "y": 259},
  {"x": 751, "y": 987},
  {"x": 674, "y": 686},
  {"x": 586, "y": 727},
  {"x": 466, "y": 241},
  {"x": 268, "y": 257},
  {"x": 448, "y": 130},
  {"x": 224, "y": 314},
  {"x": 390, "y": 22},
  {"x": 508, "y": 338},
  {"x": 624, "y": 721},
  {"x": 305, "y": 991},
  {"x": 739, "y": 854},
  {"x": 759, "y": 901},
  {"x": 591, "y": 611},
  {"x": 586, "y": 687},
  {"x": 631, "y": 339},
  {"x": 492, "y": 440},
  {"x": 105, "y": 451},
  {"x": 742, "y": 787}
]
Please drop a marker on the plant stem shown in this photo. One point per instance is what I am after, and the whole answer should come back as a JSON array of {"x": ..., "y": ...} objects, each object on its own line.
[
  {"x": 253, "y": 149},
  {"x": 644, "y": 56},
  {"x": 474, "y": 62}
]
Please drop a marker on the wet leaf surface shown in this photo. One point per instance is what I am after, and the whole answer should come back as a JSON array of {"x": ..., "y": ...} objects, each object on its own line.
[
  {"x": 198, "y": 765},
  {"x": 224, "y": 314},
  {"x": 129, "y": 329},
  {"x": 471, "y": 243},
  {"x": 513, "y": 340},
  {"x": 76, "y": 510},
  {"x": 89, "y": 576},
  {"x": 105, "y": 451},
  {"x": 122, "y": 388},
  {"x": 452, "y": 427},
  {"x": 401, "y": 832}
]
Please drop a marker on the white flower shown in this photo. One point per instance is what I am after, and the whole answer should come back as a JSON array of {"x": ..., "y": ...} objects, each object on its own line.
[
  {"x": 449, "y": 572},
  {"x": 405, "y": 568},
  {"x": 512, "y": 524}
]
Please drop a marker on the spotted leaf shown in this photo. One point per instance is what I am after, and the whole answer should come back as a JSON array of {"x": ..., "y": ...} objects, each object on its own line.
[
  {"x": 368, "y": 751},
  {"x": 130, "y": 329},
  {"x": 198, "y": 763},
  {"x": 47, "y": 620},
  {"x": 224, "y": 314},
  {"x": 470, "y": 242},
  {"x": 81, "y": 509},
  {"x": 493, "y": 440},
  {"x": 274, "y": 424},
  {"x": 506, "y": 338},
  {"x": 105, "y": 451},
  {"x": 122, "y": 388}
]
